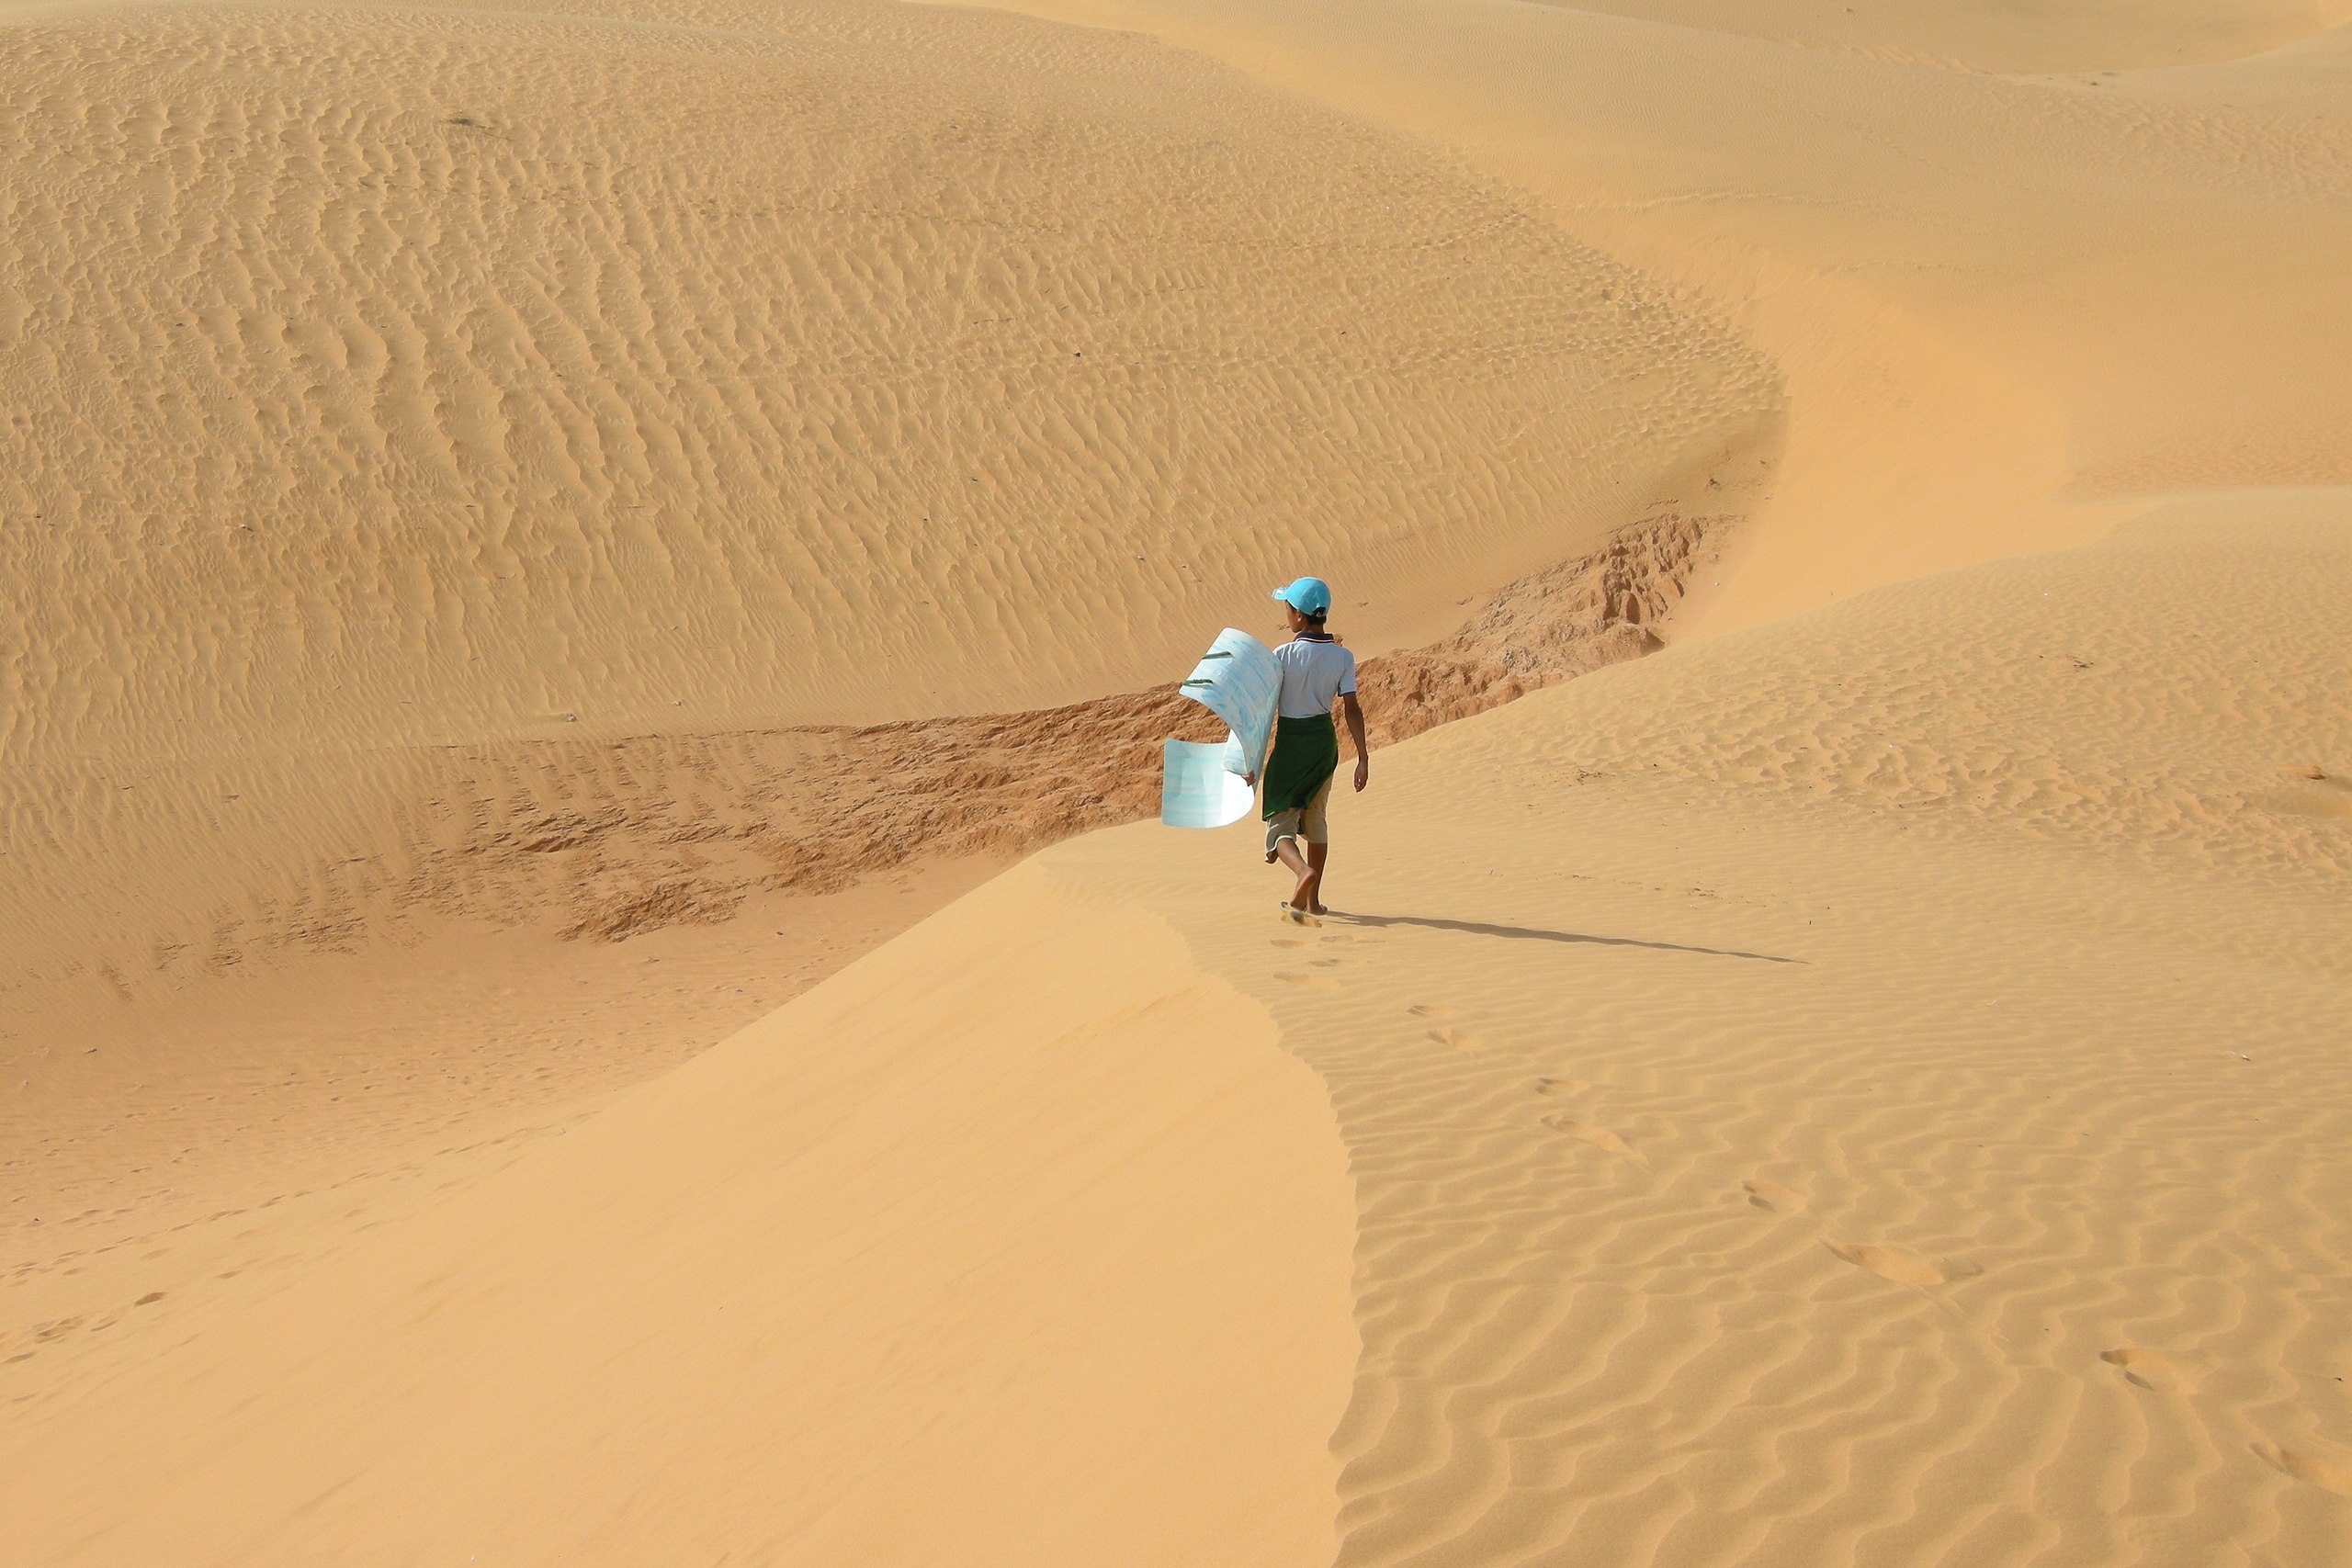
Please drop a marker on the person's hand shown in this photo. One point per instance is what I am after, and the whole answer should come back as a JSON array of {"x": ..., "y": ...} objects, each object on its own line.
[
  {"x": 1249, "y": 779},
  {"x": 1364, "y": 772}
]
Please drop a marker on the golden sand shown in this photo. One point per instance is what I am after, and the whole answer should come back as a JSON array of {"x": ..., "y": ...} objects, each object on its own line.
[{"x": 552, "y": 559}]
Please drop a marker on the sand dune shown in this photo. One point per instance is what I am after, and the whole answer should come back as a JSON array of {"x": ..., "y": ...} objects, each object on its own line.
[
  {"x": 534, "y": 539},
  {"x": 503, "y": 1376}
]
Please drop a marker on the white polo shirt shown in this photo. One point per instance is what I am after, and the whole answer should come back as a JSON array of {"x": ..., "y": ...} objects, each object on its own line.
[{"x": 1317, "y": 672}]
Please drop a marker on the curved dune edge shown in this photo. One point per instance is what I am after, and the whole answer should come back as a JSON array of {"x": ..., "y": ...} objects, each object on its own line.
[
  {"x": 323, "y": 1035},
  {"x": 987, "y": 1250}
]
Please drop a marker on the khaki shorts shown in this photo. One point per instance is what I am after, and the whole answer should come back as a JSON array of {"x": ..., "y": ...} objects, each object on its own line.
[{"x": 1311, "y": 822}]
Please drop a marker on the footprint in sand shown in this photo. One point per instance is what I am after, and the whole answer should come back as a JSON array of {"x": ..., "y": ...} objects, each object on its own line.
[
  {"x": 1598, "y": 1136},
  {"x": 1431, "y": 1009},
  {"x": 2330, "y": 1470},
  {"x": 1324, "y": 981},
  {"x": 1292, "y": 941},
  {"x": 2145, "y": 1368},
  {"x": 1773, "y": 1197},
  {"x": 1561, "y": 1086},
  {"x": 1335, "y": 963},
  {"x": 1903, "y": 1267},
  {"x": 1454, "y": 1039}
]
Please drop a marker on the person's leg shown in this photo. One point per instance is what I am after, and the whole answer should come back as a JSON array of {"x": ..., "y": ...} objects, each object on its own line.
[
  {"x": 1303, "y": 867},
  {"x": 1310, "y": 886},
  {"x": 1315, "y": 828},
  {"x": 1282, "y": 841},
  {"x": 1286, "y": 851}
]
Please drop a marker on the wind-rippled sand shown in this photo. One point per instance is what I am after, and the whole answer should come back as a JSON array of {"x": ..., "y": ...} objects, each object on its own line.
[{"x": 549, "y": 559}]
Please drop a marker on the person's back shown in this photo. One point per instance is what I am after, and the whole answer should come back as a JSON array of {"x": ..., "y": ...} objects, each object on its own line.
[{"x": 1316, "y": 669}]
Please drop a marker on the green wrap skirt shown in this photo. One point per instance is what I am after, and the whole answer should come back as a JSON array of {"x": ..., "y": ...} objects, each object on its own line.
[{"x": 1307, "y": 753}]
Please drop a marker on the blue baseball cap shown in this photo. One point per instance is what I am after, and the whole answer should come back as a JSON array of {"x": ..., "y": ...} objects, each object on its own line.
[{"x": 1308, "y": 596}]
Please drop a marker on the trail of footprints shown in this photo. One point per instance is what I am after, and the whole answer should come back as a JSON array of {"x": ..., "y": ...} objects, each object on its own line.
[{"x": 2150, "y": 1371}]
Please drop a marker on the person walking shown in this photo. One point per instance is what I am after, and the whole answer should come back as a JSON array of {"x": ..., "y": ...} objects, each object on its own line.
[{"x": 1304, "y": 758}]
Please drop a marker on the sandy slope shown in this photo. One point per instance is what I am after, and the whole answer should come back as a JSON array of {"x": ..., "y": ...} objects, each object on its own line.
[
  {"x": 1775, "y": 1157},
  {"x": 1862, "y": 1086}
]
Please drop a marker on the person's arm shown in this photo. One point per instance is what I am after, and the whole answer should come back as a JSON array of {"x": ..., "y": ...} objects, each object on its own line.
[
  {"x": 1250, "y": 778},
  {"x": 1354, "y": 715}
]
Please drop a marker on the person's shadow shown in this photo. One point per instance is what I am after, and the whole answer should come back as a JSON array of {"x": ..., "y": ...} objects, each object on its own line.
[{"x": 1533, "y": 933}]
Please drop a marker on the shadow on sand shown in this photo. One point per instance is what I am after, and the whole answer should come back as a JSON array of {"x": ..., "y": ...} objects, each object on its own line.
[{"x": 1532, "y": 933}]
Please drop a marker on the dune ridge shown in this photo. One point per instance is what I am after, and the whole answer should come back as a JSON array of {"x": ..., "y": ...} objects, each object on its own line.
[{"x": 614, "y": 842}]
